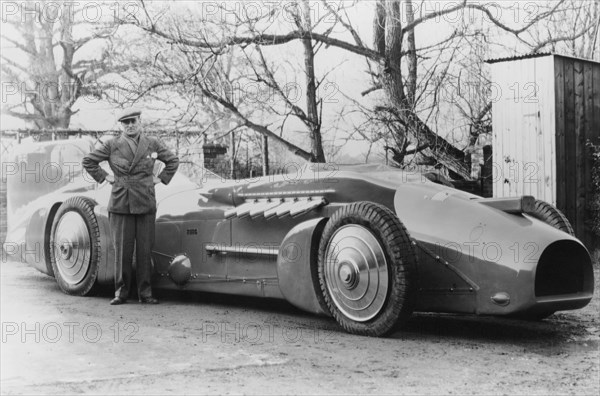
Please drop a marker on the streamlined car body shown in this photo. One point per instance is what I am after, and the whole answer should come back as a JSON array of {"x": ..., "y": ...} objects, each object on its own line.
[{"x": 366, "y": 244}]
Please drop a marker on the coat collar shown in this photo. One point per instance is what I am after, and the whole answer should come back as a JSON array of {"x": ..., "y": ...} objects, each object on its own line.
[{"x": 124, "y": 148}]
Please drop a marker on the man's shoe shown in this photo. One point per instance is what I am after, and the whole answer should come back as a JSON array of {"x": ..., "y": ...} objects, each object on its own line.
[
  {"x": 117, "y": 301},
  {"x": 148, "y": 300}
]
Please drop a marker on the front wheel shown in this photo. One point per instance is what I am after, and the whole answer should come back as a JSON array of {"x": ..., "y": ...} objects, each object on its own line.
[
  {"x": 367, "y": 269},
  {"x": 75, "y": 246}
]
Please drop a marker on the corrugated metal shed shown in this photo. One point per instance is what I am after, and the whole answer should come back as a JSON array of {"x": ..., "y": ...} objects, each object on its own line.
[
  {"x": 545, "y": 108},
  {"x": 518, "y": 57}
]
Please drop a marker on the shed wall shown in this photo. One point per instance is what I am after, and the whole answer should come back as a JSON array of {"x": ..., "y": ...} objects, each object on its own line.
[
  {"x": 577, "y": 122},
  {"x": 523, "y": 125},
  {"x": 544, "y": 112}
]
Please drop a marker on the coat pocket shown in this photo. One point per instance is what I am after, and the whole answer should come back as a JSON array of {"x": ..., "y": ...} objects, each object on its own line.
[{"x": 118, "y": 198}]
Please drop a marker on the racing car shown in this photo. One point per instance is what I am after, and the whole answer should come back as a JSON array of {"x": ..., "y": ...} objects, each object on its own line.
[{"x": 365, "y": 244}]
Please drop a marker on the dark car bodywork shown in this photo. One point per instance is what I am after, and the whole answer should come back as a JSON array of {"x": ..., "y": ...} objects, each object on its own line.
[{"x": 261, "y": 238}]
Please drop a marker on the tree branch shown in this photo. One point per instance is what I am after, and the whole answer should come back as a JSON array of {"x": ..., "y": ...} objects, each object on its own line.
[{"x": 266, "y": 40}]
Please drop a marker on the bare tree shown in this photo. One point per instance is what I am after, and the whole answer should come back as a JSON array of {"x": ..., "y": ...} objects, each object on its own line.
[
  {"x": 225, "y": 84},
  {"x": 44, "y": 69},
  {"x": 401, "y": 78},
  {"x": 403, "y": 68},
  {"x": 563, "y": 32},
  {"x": 468, "y": 90}
]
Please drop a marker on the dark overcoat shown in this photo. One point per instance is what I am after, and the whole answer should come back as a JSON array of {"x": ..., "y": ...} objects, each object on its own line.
[{"x": 133, "y": 189}]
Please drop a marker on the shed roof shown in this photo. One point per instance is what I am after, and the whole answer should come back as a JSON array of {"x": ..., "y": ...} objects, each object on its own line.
[{"x": 536, "y": 55}]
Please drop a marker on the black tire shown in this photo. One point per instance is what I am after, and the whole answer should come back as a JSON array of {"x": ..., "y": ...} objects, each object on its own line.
[
  {"x": 379, "y": 231},
  {"x": 75, "y": 246},
  {"x": 551, "y": 215}
]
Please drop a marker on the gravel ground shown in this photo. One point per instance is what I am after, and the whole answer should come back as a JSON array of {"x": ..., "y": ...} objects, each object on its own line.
[{"x": 203, "y": 343}]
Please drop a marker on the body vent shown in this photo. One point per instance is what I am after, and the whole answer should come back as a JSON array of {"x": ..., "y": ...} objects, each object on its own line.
[{"x": 564, "y": 268}]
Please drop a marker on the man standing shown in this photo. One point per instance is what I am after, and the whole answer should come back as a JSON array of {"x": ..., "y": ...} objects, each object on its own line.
[{"x": 132, "y": 205}]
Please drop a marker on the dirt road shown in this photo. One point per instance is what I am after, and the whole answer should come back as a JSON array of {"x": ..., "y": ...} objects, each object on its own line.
[{"x": 203, "y": 343}]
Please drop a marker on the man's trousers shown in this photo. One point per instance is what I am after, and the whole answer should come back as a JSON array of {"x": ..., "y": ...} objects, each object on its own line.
[{"x": 132, "y": 232}]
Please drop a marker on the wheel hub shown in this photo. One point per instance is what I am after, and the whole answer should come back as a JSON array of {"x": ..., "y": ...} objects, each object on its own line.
[
  {"x": 348, "y": 275},
  {"x": 356, "y": 272},
  {"x": 73, "y": 249},
  {"x": 66, "y": 251}
]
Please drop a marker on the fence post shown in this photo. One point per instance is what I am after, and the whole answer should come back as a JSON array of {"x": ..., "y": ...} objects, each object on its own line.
[{"x": 486, "y": 172}]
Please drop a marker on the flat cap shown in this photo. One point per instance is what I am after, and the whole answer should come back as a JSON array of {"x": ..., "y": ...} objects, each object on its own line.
[{"x": 130, "y": 112}]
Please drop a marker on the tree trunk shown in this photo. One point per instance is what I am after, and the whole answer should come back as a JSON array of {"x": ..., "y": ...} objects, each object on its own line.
[
  {"x": 388, "y": 38},
  {"x": 311, "y": 90}
]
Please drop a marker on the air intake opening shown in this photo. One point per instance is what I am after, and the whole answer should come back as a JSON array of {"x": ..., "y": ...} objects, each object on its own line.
[{"x": 564, "y": 268}]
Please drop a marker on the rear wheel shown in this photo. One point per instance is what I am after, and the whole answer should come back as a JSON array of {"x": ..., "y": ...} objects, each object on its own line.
[
  {"x": 550, "y": 215},
  {"x": 367, "y": 269},
  {"x": 75, "y": 246}
]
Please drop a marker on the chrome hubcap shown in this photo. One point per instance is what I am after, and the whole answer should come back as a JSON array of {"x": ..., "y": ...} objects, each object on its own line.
[
  {"x": 66, "y": 251},
  {"x": 356, "y": 272},
  {"x": 348, "y": 274},
  {"x": 73, "y": 248}
]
